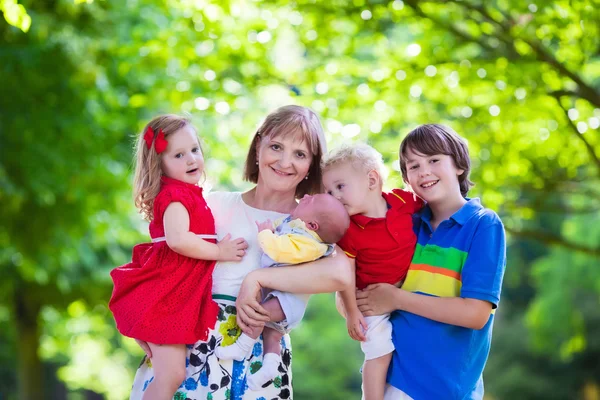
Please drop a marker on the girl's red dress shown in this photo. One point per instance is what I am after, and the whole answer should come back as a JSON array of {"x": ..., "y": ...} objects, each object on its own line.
[{"x": 161, "y": 296}]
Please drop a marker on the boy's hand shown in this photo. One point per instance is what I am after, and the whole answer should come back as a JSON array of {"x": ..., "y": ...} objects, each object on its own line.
[
  {"x": 265, "y": 225},
  {"x": 231, "y": 250},
  {"x": 357, "y": 326},
  {"x": 379, "y": 298}
]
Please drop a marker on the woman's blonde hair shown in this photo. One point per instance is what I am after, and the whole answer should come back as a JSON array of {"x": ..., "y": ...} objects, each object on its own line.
[
  {"x": 362, "y": 157},
  {"x": 148, "y": 170},
  {"x": 291, "y": 120}
]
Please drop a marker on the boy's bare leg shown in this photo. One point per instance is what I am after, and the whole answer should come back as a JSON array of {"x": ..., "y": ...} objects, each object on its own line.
[
  {"x": 271, "y": 359},
  {"x": 244, "y": 344},
  {"x": 168, "y": 362},
  {"x": 373, "y": 377}
]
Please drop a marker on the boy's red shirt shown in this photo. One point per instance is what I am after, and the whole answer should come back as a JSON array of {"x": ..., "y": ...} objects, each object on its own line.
[{"x": 383, "y": 247}]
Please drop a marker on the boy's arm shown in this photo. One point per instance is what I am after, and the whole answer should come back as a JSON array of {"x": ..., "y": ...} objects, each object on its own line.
[
  {"x": 383, "y": 298},
  {"x": 352, "y": 314},
  {"x": 481, "y": 279},
  {"x": 290, "y": 248}
]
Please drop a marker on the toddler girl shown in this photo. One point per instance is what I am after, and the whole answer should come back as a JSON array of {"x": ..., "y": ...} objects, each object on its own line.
[{"x": 163, "y": 296}]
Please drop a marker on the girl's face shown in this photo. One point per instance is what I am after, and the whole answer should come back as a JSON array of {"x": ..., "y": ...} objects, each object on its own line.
[
  {"x": 434, "y": 178},
  {"x": 283, "y": 162},
  {"x": 349, "y": 185},
  {"x": 183, "y": 160}
]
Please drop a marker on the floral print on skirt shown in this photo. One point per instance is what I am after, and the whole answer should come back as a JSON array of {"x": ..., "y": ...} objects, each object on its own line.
[{"x": 209, "y": 378}]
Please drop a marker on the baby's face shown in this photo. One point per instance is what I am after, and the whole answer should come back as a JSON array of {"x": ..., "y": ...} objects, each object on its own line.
[{"x": 347, "y": 184}]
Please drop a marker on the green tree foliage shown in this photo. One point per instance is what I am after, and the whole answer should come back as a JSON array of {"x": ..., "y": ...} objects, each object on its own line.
[{"x": 519, "y": 80}]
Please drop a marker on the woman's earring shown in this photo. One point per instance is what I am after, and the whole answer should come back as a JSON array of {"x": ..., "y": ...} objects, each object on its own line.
[
  {"x": 306, "y": 177},
  {"x": 256, "y": 162}
]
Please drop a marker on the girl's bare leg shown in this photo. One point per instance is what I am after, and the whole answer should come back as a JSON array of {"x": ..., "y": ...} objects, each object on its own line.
[{"x": 168, "y": 361}]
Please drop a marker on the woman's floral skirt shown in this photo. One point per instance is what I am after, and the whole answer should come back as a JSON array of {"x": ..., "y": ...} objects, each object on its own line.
[{"x": 208, "y": 378}]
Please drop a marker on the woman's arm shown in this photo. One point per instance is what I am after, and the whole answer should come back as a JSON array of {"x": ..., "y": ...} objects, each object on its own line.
[
  {"x": 383, "y": 298},
  {"x": 328, "y": 274},
  {"x": 179, "y": 238}
]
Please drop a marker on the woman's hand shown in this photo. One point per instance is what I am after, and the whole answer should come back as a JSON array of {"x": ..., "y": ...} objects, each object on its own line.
[
  {"x": 378, "y": 299},
  {"x": 249, "y": 311},
  {"x": 145, "y": 347}
]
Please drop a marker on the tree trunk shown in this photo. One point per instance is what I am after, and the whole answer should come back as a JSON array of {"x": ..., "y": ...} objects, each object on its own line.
[{"x": 30, "y": 377}]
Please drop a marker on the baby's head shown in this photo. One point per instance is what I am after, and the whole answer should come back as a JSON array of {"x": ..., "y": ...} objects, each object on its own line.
[
  {"x": 354, "y": 174},
  {"x": 323, "y": 214}
]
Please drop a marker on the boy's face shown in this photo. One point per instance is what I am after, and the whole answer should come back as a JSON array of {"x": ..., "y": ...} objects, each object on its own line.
[
  {"x": 433, "y": 178},
  {"x": 349, "y": 185}
]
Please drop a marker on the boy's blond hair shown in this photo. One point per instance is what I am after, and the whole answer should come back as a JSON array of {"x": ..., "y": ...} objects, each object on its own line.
[{"x": 362, "y": 157}]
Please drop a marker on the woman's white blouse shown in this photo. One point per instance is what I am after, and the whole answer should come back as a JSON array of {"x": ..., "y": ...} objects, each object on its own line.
[{"x": 235, "y": 217}]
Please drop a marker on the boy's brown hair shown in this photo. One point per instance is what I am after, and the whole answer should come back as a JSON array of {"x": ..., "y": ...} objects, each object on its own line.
[{"x": 432, "y": 139}]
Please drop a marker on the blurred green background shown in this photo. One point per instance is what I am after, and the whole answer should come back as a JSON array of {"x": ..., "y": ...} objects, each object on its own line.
[{"x": 78, "y": 79}]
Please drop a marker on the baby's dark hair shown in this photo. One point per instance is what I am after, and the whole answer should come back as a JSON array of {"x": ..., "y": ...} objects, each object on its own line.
[{"x": 432, "y": 139}]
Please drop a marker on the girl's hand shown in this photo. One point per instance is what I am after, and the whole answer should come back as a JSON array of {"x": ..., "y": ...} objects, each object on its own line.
[
  {"x": 378, "y": 299},
  {"x": 357, "y": 326},
  {"x": 145, "y": 347},
  {"x": 264, "y": 225},
  {"x": 249, "y": 311},
  {"x": 231, "y": 250}
]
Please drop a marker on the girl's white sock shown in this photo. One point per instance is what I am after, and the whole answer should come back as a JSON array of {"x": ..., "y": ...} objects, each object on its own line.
[
  {"x": 267, "y": 372},
  {"x": 237, "y": 351}
]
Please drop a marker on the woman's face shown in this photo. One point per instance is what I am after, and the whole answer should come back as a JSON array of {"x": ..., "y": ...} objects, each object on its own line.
[{"x": 283, "y": 161}]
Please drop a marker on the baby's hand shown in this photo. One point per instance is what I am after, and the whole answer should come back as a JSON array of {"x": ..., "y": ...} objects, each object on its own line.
[
  {"x": 265, "y": 225},
  {"x": 357, "y": 326},
  {"x": 231, "y": 250}
]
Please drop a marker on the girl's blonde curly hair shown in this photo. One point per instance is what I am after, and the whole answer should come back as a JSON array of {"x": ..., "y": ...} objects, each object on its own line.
[{"x": 148, "y": 169}]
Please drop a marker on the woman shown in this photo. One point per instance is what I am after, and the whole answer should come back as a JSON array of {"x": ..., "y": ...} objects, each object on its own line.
[{"x": 284, "y": 163}]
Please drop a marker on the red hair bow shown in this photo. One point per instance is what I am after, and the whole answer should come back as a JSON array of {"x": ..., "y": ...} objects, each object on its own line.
[{"x": 160, "y": 144}]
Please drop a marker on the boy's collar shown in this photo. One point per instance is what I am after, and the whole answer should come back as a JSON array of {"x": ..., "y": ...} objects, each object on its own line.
[
  {"x": 461, "y": 216},
  {"x": 467, "y": 210}
]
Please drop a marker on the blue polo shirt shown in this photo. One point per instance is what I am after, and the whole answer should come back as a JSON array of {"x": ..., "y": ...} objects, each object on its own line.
[{"x": 464, "y": 257}]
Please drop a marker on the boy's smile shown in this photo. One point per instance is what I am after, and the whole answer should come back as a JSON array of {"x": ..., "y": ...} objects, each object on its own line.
[
  {"x": 429, "y": 184},
  {"x": 434, "y": 178}
]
